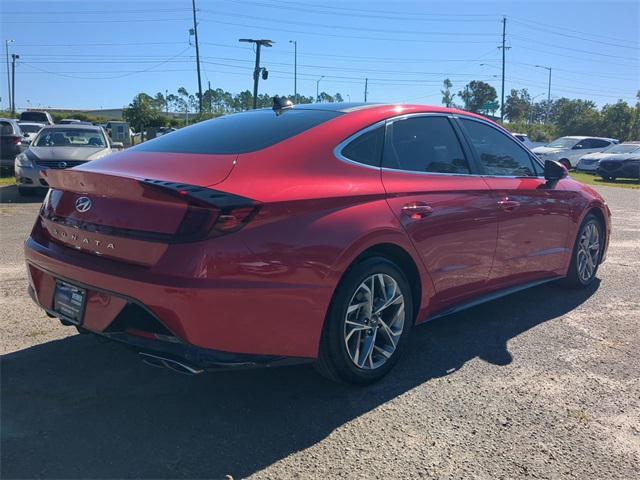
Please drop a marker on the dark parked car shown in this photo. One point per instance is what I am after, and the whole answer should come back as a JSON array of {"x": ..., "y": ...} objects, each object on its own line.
[
  {"x": 612, "y": 168},
  {"x": 11, "y": 142}
]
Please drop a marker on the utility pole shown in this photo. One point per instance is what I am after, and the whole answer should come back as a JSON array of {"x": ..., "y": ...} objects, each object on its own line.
[
  {"x": 546, "y": 115},
  {"x": 14, "y": 57},
  {"x": 317, "y": 89},
  {"x": 195, "y": 34},
  {"x": 257, "y": 69},
  {"x": 295, "y": 70},
  {"x": 366, "y": 89},
  {"x": 6, "y": 47},
  {"x": 504, "y": 49},
  {"x": 166, "y": 102},
  {"x": 209, "y": 92}
]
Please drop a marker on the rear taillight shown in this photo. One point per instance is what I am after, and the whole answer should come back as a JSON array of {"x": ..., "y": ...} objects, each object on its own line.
[
  {"x": 210, "y": 213},
  {"x": 16, "y": 140}
]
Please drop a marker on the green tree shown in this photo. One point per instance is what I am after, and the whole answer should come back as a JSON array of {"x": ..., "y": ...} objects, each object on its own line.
[
  {"x": 618, "y": 121},
  {"x": 475, "y": 94},
  {"x": 142, "y": 113},
  {"x": 517, "y": 105},
  {"x": 447, "y": 96},
  {"x": 576, "y": 117}
]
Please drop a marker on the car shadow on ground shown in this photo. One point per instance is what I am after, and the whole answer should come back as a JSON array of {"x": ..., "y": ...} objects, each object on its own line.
[
  {"x": 79, "y": 408},
  {"x": 9, "y": 194}
]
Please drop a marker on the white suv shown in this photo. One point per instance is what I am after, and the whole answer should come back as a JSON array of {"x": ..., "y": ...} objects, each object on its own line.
[{"x": 568, "y": 150}]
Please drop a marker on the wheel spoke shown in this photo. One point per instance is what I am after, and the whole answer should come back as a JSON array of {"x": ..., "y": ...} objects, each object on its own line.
[
  {"x": 357, "y": 306},
  {"x": 393, "y": 301},
  {"x": 367, "y": 350}
]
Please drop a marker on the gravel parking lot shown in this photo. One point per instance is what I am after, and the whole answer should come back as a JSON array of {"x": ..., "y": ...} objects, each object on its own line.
[{"x": 544, "y": 384}]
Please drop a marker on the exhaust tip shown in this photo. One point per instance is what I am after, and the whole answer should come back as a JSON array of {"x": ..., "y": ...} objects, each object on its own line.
[{"x": 168, "y": 363}]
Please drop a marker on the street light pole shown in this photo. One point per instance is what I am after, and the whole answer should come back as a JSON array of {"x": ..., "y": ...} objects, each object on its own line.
[
  {"x": 317, "y": 89},
  {"x": 256, "y": 71},
  {"x": 546, "y": 117},
  {"x": 14, "y": 57},
  {"x": 295, "y": 70},
  {"x": 6, "y": 47}
]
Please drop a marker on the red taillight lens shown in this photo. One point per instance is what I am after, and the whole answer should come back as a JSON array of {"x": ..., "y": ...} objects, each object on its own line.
[
  {"x": 210, "y": 213},
  {"x": 16, "y": 140}
]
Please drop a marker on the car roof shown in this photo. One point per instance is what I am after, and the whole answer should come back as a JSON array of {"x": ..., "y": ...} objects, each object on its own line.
[
  {"x": 581, "y": 137},
  {"x": 11, "y": 120},
  {"x": 74, "y": 126},
  {"x": 20, "y": 122}
]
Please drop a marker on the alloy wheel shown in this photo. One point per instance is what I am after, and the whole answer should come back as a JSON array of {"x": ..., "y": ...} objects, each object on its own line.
[
  {"x": 588, "y": 252},
  {"x": 374, "y": 321}
]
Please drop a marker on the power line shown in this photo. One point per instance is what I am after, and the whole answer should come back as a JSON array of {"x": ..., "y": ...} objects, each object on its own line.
[
  {"x": 346, "y": 27},
  {"x": 565, "y": 29},
  {"x": 388, "y": 15},
  {"x": 567, "y": 35},
  {"x": 323, "y": 34},
  {"x": 588, "y": 52}
]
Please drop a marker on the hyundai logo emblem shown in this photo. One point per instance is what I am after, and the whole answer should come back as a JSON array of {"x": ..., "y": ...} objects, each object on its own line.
[
  {"x": 62, "y": 165},
  {"x": 83, "y": 204}
]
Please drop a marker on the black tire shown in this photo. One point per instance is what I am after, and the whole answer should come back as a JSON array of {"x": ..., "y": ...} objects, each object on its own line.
[
  {"x": 566, "y": 163},
  {"x": 573, "y": 279},
  {"x": 26, "y": 192},
  {"x": 333, "y": 360}
]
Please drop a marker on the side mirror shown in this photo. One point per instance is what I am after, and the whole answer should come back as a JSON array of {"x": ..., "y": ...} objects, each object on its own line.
[
  {"x": 554, "y": 170},
  {"x": 117, "y": 145}
]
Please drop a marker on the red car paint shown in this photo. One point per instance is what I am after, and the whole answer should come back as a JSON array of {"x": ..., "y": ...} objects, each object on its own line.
[{"x": 265, "y": 288}]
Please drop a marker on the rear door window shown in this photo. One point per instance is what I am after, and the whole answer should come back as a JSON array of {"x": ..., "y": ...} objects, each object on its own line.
[
  {"x": 598, "y": 143},
  {"x": 240, "y": 132},
  {"x": 425, "y": 144}
]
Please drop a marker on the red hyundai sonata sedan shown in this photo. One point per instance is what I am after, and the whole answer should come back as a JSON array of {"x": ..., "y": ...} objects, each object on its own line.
[{"x": 321, "y": 232}]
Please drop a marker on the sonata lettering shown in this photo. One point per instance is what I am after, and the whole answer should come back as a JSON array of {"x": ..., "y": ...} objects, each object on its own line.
[{"x": 84, "y": 240}]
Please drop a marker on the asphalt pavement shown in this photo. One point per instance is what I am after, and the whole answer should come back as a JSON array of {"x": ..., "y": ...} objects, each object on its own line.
[{"x": 544, "y": 384}]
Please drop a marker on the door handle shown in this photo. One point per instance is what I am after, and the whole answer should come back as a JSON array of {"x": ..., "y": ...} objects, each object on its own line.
[
  {"x": 416, "y": 210},
  {"x": 508, "y": 205}
]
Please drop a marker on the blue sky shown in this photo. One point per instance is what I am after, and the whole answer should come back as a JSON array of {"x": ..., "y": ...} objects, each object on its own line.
[{"x": 90, "y": 54}]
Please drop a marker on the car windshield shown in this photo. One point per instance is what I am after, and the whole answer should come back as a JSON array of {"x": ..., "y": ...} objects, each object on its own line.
[
  {"x": 563, "y": 142},
  {"x": 623, "y": 148},
  {"x": 30, "y": 128},
  {"x": 60, "y": 137}
]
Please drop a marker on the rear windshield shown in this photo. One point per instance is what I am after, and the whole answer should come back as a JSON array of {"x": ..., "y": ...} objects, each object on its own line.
[
  {"x": 238, "y": 133},
  {"x": 34, "y": 117}
]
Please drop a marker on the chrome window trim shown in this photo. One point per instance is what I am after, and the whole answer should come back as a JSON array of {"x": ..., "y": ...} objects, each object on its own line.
[{"x": 337, "y": 151}]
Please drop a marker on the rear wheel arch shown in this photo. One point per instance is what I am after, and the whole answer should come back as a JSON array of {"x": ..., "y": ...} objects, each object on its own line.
[{"x": 405, "y": 262}]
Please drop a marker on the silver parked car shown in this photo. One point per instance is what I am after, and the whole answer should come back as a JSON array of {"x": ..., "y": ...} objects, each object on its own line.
[
  {"x": 60, "y": 146},
  {"x": 568, "y": 150},
  {"x": 590, "y": 162}
]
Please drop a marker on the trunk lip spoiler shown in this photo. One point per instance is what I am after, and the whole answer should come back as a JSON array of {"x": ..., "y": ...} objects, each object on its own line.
[{"x": 195, "y": 196}]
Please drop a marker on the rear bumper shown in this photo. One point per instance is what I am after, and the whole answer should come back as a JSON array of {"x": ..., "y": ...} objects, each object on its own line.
[{"x": 219, "y": 318}]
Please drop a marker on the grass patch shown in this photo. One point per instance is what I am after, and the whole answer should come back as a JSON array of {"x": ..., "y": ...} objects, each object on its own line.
[
  {"x": 4, "y": 181},
  {"x": 590, "y": 179}
]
